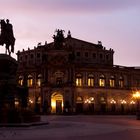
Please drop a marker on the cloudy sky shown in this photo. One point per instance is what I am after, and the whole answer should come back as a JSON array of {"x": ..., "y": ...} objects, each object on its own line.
[{"x": 115, "y": 22}]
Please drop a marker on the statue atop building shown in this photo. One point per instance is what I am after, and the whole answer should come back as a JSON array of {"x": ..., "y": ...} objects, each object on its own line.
[
  {"x": 7, "y": 36},
  {"x": 59, "y": 38}
]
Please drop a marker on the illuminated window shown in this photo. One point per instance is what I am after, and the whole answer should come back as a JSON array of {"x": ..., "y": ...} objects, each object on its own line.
[
  {"x": 112, "y": 81},
  {"x": 102, "y": 81},
  {"x": 20, "y": 80},
  {"x": 30, "y": 81},
  {"x": 90, "y": 80},
  {"x": 39, "y": 80},
  {"x": 121, "y": 82},
  {"x": 78, "y": 80}
]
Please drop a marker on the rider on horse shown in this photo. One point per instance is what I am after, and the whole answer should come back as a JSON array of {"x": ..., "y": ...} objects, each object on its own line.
[{"x": 7, "y": 36}]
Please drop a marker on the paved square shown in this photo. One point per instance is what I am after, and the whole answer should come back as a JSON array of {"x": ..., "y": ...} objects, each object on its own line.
[{"x": 77, "y": 127}]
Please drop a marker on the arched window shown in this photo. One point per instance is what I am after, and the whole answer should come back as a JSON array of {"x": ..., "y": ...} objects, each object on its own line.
[
  {"x": 112, "y": 81},
  {"x": 30, "y": 81},
  {"x": 79, "y": 100},
  {"x": 39, "y": 80},
  {"x": 78, "y": 80},
  {"x": 79, "y": 104},
  {"x": 121, "y": 82},
  {"x": 20, "y": 80},
  {"x": 90, "y": 80},
  {"x": 113, "y": 105},
  {"x": 102, "y": 81},
  {"x": 59, "y": 78}
]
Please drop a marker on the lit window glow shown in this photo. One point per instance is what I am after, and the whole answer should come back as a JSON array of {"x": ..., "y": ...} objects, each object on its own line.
[
  {"x": 78, "y": 81},
  {"x": 102, "y": 81},
  {"x": 39, "y": 80},
  {"x": 20, "y": 81},
  {"x": 30, "y": 81},
  {"x": 112, "y": 81},
  {"x": 91, "y": 82},
  {"x": 121, "y": 82}
]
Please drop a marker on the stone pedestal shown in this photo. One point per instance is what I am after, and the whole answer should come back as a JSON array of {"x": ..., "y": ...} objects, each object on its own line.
[
  {"x": 8, "y": 90},
  {"x": 10, "y": 93}
]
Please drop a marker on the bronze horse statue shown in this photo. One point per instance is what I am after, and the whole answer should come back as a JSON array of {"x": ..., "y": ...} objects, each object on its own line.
[{"x": 7, "y": 36}]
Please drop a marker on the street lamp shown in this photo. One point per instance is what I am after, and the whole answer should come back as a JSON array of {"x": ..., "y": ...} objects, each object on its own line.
[{"x": 137, "y": 97}]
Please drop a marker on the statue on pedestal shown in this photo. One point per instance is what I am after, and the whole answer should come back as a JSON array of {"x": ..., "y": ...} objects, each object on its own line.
[{"x": 7, "y": 36}]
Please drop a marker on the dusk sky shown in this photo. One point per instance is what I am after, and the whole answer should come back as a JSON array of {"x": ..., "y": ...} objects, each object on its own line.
[{"x": 114, "y": 22}]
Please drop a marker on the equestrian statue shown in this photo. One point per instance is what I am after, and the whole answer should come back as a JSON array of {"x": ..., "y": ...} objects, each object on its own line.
[{"x": 7, "y": 36}]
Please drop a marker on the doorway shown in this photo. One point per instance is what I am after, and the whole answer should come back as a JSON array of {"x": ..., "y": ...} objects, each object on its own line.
[{"x": 57, "y": 103}]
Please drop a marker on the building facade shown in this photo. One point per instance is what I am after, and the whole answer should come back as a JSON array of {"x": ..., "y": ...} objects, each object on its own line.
[{"x": 74, "y": 76}]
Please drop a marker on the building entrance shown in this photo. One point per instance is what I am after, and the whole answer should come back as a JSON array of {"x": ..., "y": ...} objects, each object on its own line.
[{"x": 56, "y": 103}]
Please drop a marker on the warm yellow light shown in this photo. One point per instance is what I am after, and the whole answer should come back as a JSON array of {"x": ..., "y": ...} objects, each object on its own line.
[
  {"x": 101, "y": 82},
  {"x": 123, "y": 102},
  {"x": 30, "y": 82},
  {"x": 90, "y": 82},
  {"x": 53, "y": 104},
  {"x": 39, "y": 82},
  {"x": 112, "y": 82},
  {"x": 78, "y": 81},
  {"x": 132, "y": 102},
  {"x": 55, "y": 99},
  {"x": 16, "y": 103},
  {"x": 87, "y": 101},
  {"x": 113, "y": 101},
  {"x": 20, "y": 82},
  {"x": 136, "y": 95},
  {"x": 30, "y": 101}
]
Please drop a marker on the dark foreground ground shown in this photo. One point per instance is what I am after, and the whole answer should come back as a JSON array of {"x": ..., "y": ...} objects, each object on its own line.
[{"x": 77, "y": 128}]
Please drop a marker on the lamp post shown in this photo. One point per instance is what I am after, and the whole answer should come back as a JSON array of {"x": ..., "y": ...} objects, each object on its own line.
[{"x": 137, "y": 97}]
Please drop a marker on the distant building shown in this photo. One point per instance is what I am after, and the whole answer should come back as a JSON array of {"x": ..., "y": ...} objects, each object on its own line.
[{"x": 72, "y": 75}]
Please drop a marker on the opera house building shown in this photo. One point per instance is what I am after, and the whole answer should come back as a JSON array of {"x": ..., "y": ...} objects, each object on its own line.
[{"x": 73, "y": 76}]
